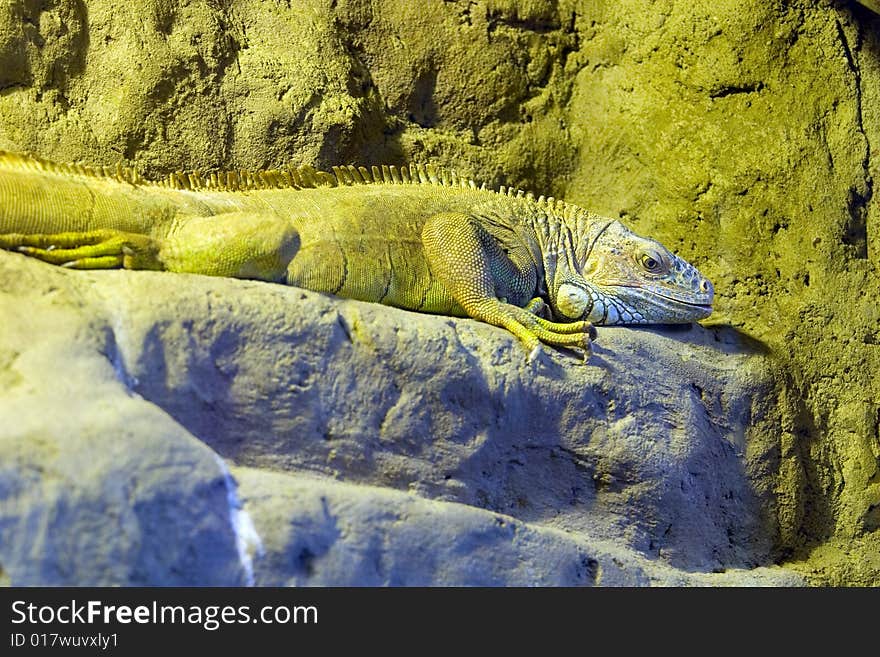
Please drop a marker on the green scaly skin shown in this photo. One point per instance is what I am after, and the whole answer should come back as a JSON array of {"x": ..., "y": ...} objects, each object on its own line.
[{"x": 414, "y": 237}]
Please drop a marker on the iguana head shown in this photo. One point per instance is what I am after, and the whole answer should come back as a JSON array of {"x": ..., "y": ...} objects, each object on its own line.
[{"x": 634, "y": 280}]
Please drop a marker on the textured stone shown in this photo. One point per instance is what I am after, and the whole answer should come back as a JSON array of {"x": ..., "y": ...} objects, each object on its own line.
[
  {"x": 97, "y": 486},
  {"x": 317, "y": 532},
  {"x": 287, "y": 380}
]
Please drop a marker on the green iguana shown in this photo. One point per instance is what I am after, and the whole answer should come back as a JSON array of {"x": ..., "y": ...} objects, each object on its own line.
[{"x": 416, "y": 237}]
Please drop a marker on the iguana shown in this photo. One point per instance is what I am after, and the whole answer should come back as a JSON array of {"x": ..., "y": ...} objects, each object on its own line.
[{"x": 417, "y": 237}]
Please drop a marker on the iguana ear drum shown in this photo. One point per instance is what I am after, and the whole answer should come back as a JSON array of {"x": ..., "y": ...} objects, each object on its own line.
[{"x": 573, "y": 301}]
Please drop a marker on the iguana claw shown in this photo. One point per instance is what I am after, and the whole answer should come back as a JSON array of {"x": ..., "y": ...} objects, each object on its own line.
[{"x": 535, "y": 354}]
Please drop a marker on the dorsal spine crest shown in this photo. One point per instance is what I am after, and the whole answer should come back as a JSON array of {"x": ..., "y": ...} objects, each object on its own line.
[{"x": 291, "y": 177}]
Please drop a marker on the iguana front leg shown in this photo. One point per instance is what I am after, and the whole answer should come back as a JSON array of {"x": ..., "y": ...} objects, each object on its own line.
[{"x": 479, "y": 275}]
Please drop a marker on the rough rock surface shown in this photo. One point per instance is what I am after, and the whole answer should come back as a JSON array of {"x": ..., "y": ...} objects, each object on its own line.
[
  {"x": 742, "y": 134},
  {"x": 582, "y": 473},
  {"x": 320, "y": 532}
]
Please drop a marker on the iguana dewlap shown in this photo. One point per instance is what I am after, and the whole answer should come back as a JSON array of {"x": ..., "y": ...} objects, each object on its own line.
[{"x": 414, "y": 237}]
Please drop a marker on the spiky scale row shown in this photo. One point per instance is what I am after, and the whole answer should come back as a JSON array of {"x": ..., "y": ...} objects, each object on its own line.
[
  {"x": 291, "y": 177},
  {"x": 307, "y": 177},
  {"x": 119, "y": 173}
]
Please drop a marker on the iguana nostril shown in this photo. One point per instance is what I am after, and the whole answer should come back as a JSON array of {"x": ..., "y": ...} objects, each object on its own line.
[{"x": 706, "y": 287}]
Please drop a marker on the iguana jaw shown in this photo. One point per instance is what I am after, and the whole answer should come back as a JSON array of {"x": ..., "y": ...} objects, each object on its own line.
[
  {"x": 697, "y": 307},
  {"x": 659, "y": 308},
  {"x": 637, "y": 304},
  {"x": 625, "y": 305}
]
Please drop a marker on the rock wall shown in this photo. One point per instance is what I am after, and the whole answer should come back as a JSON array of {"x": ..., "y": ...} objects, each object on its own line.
[{"x": 741, "y": 134}]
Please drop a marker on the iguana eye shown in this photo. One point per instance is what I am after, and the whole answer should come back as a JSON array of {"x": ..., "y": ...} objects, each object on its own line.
[{"x": 650, "y": 263}]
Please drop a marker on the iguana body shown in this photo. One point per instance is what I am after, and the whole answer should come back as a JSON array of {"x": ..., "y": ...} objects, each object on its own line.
[{"x": 414, "y": 237}]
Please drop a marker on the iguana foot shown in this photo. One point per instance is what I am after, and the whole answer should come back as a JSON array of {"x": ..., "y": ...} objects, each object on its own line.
[
  {"x": 533, "y": 330},
  {"x": 97, "y": 249},
  {"x": 584, "y": 332}
]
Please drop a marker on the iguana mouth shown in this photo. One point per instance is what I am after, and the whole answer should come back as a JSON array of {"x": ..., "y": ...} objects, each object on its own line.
[
  {"x": 700, "y": 307},
  {"x": 678, "y": 299},
  {"x": 691, "y": 304},
  {"x": 683, "y": 302}
]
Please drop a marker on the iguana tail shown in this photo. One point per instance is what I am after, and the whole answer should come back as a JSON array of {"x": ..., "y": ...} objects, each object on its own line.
[
  {"x": 87, "y": 218},
  {"x": 42, "y": 197}
]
